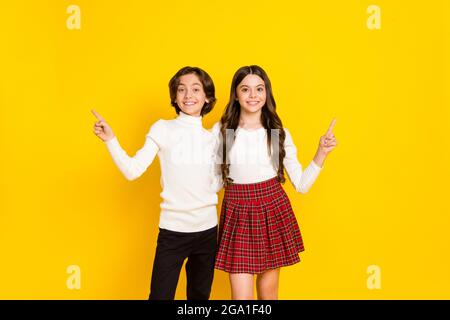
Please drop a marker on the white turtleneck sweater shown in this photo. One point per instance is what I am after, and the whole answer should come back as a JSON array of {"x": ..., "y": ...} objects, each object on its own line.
[
  {"x": 250, "y": 161},
  {"x": 188, "y": 177}
]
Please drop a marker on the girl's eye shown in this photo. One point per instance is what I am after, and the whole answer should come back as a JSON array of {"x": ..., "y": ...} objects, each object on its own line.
[
  {"x": 196, "y": 90},
  {"x": 244, "y": 89},
  {"x": 180, "y": 89},
  {"x": 260, "y": 89}
]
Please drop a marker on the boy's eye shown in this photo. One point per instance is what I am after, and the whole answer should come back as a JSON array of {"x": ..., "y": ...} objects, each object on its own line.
[
  {"x": 180, "y": 89},
  {"x": 196, "y": 89}
]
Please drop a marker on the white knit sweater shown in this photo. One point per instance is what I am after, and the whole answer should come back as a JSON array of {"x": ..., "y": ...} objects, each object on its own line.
[
  {"x": 250, "y": 162},
  {"x": 188, "y": 176}
]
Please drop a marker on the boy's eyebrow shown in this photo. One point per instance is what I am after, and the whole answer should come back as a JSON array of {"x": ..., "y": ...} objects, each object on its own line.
[{"x": 195, "y": 83}]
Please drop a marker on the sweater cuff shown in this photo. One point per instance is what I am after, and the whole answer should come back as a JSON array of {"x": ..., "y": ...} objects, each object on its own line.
[{"x": 112, "y": 144}]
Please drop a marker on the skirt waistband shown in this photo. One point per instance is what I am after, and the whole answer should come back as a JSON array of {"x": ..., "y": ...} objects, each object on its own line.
[{"x": 253, "y": 191}]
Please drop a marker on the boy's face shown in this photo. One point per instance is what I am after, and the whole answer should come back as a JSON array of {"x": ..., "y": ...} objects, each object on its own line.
[
  {"x": 190, "y": 95},
  {"x": 251, "y": 93}
]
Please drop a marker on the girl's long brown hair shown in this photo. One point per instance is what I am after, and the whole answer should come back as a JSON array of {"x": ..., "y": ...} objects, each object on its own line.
[{"x": 269, "y": 120}]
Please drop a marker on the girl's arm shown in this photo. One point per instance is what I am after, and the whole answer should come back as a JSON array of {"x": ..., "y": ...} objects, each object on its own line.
[
  {"x": 302, "y": 180},
  {"x": 216, "y": 168}
]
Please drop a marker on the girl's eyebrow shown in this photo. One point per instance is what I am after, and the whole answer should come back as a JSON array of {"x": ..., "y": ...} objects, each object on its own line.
[{"x": 245, "y": 85}]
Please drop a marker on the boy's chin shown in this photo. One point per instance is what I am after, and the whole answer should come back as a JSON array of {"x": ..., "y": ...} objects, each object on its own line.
[{"x": 192, "y": 112}]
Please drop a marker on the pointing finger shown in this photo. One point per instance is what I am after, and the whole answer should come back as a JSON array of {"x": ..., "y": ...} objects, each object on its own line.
[
  {"x": 330, "y": 128},
  {"x": 99, "y": 117}
]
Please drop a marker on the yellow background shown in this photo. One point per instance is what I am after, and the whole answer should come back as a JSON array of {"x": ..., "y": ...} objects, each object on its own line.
[{"x": 382, "y": 198}]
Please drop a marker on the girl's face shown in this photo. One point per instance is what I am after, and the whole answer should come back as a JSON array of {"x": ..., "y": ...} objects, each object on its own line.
[
  {"x": 251, "y": 93},
  {"x": 190, "y": 95}
]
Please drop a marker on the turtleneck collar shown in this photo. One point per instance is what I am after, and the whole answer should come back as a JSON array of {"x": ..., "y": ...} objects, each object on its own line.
[{"x": 185, "y": 118}]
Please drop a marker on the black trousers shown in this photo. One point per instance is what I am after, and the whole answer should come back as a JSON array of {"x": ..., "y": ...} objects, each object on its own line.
[{"x": 171, "y": 251}]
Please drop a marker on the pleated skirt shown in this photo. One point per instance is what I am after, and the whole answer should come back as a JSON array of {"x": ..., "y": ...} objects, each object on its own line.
[{"x": 258, "y": 230}]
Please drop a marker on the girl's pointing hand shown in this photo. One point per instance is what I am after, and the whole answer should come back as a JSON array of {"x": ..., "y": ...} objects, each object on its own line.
[{"x": 328, "y": 141}]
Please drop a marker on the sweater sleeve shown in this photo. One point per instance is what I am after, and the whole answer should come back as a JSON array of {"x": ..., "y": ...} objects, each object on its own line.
[
  {"x": 133, "y": 167},
  {"x": 302, "y": 180},
  {"x": 216, "y": 168}
]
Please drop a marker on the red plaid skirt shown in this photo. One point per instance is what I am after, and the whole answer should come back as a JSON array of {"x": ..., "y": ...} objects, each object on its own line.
[{"x": 258, "y": 230}]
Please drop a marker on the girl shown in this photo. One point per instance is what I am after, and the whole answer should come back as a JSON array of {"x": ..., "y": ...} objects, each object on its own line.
[
  {"x": 258, "y": 230},
  {"x": 188, "y": 219}
]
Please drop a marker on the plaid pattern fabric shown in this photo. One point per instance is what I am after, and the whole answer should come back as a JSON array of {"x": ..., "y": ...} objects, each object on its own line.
[{"x": 258, "y": 230}]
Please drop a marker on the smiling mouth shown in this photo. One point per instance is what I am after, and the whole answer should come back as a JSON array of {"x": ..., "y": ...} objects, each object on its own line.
[
  {"x": 189, "y": 103},
  {"x": 253, "y": 103}
]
